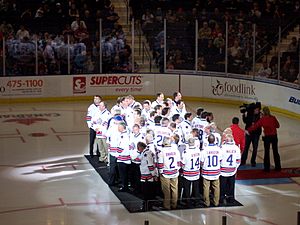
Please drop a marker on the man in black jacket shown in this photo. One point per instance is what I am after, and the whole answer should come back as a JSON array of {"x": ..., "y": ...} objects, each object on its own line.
[{"x": 251, "y": 116}]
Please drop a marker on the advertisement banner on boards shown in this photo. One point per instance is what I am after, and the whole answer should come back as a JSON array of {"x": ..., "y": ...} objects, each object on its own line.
[
  {"x": 233, "y": 89},
  {"x": 22, "y": 86},
  {"x": 113, "y": 84},
  {"x": 77, "y": 85}
]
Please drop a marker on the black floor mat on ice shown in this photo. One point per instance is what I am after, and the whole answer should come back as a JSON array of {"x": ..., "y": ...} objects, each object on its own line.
[{"x": 132, "y": 202}]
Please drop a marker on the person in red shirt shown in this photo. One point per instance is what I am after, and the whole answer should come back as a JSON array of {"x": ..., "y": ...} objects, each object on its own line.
[
  {"x": 269, "y": 123},
  {"x": 238, "y": 134}
]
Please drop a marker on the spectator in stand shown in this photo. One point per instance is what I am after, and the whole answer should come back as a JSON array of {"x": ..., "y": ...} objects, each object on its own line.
[
  {"x": 216, "y": 30},
  {"x": 219, "y": 42},
  {"x": 286, "y": 68},
  {"x": 22, "y": 32},
  {"x": 49, "y": 57},
  {"x": 233, "y": 51},
  {"x": 296, "y": 10},
  {"x": 211, "y": 53},
  {"x": 203, "y": 15},
  {"x": 89, "y": 21},
  {"x": 110, "y": 18},
  {"x": 147, "y": 19},
  {"x": 78, "y": 23},
  {"x": 255, "y": 13},
  {"x": 158, "y": 15},
  {"x": 6, "y": 28},
  {"x": 205, "y": 32},
  {"x": 81, "y": 32},
  {"x": 227, "y": 16},
  {"x": 59, "y": 17},
  {"x": 73, "y": 12},
  {"x": 39, "y": 18},
  {"x": 180, "y": 15},
  {"x": 265, "y": 70},
  {"x": 201, "y": 64},
  {"x": 108, "y": 54},
  {"x": 216, "y": 17},
  {"x": 193, "y": 16},
  {"x": 291, "y": 76},
  {"x": 238, "y": 134},
  {"x": 170, "y": 16},
  {"x": 26, "y": 18},
  {"x": 241, "y": 17},
  {"x": 67, "y": 30},
  {"x": 270, "y": 124},
  {"x": 293, "y": 46}
]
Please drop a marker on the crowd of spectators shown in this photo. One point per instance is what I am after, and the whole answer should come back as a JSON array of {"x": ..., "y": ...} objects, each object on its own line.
[
  {"x": 58, "y": 32},
  {"x": 55, "y": 33},
  {"x": 212, "y": 16}
]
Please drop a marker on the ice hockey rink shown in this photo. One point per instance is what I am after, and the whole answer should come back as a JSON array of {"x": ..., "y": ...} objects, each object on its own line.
[{"x": 45, "y": 178}]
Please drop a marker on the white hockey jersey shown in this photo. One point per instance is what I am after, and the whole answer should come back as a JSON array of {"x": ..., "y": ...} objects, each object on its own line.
[
  {"x": 186, "y": 128},
  {"x": 211, "y": 158},
  {"x": 147, "y": 167},
  {"x": 134, "y": 153},
  {"x": 191, "y": 163},
  {"x": 102, "y": 122},
  {"x": 160, "y": 133},
  {"x": 199, "y": 123},
  {"x": 218, "y": 138},
  {"x": 124, "y": 148},
  {"x": 231, "y": 159},
  {"x": 92, "y": 111},
  {"x": 169, "y": 161}
]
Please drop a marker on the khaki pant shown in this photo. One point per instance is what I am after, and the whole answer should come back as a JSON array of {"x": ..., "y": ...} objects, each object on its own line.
[
  {"x": 103, "y": 148},
  {"x": 169, "y": 187},
  {"x": 215, "y": 184}
]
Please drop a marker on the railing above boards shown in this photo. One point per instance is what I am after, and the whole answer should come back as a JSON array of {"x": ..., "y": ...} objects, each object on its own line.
[{"x": 146, "y": 53}]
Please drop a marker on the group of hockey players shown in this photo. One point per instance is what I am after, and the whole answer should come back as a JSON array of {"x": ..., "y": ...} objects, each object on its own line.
[{"x": 160, "y": 149}]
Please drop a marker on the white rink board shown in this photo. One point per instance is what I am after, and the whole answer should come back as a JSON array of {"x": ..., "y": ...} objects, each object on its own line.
[
  {"x": 241, "y": 90},
  {"x": 148, "y": 85}
]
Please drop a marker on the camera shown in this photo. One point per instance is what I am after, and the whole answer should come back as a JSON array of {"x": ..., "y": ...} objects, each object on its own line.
[{"x": 249, "y": 108}]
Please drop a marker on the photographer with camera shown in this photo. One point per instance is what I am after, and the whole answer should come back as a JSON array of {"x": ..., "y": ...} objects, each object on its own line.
[{"x": 251, "y": 114}]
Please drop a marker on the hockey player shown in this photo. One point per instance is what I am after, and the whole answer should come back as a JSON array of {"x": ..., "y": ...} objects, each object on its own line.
[
  {"x": 213, "y": 131},
  {"x": 186, "y": 126},
  {"x": 116, "y": 106},
  {"x": 148, "y": 173},
  {"x": 169, "y": 165},
  {"x": 90, "y": 120},
  {"x": 113, "y": 143},
  {"x": 179, "y": 108},
  {"x": 159, "y": 100},
  {"x": 101, "y": 130},
  {"x": 146, "y": 109},
  {"x": 195, "y": 135},
  {"x": 211, "y": 157},
  {"x": 200, "y": 123},
  {"x": 231, "y": 160},
  {"x": 123, "y": 157},
  {"x": 161, "y": 131},
  {"x": 132, "y": 103},
  {"x": 127, "y": 112},
  {"x": 134, "y": 169},
  {"x": 191, "y": 171}
]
